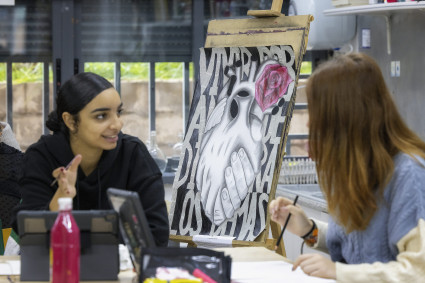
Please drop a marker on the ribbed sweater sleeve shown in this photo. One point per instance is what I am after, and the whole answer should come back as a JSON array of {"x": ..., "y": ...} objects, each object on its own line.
[{"x": 409, "y": 266}]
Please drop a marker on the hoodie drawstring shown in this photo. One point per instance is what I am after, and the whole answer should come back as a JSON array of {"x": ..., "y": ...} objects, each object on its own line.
[
  {"x": 78, "y": 195},
  {"x": 99, "y": 201},
  {"x": 100, "y": 188}
]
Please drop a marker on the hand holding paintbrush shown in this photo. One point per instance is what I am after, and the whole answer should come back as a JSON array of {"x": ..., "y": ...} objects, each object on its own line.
[
  {"x": 66, "y": 178},
  {"x": 61, "y": 170},
  {"x": 284, "y": 226},
  {"x": 292, "y": 217}
]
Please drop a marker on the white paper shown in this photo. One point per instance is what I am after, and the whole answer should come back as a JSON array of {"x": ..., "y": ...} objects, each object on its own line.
[
  {"x": 7, "y": 2},
  {"x": 205, "y": 241},
  {"x": 270, "y": 272},
  {"x": 365, "y": 38},
  {"x": 10, "y": 267}
]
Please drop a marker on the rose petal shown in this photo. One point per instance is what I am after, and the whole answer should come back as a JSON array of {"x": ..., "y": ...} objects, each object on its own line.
[{"x": 272, "y": 85}]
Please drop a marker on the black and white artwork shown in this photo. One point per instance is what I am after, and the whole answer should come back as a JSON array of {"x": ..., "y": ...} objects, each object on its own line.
[{"x": 237, "y": 118}]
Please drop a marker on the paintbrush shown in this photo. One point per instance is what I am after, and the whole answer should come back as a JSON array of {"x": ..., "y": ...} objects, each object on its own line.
[
  {"x": 66, "y": 168},
  {"x": 284, "y": 226}
]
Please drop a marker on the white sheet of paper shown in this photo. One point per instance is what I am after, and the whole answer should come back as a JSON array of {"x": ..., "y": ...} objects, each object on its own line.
[
  {"x": 205, "y": 241},
  {"x": 270, "y": 272},
  {"x": 7, "y": 2},
  {"x": 10, "y": 267}
]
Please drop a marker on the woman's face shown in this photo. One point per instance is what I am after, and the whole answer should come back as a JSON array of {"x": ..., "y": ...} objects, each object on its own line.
[{"x": 100, "y": 122}]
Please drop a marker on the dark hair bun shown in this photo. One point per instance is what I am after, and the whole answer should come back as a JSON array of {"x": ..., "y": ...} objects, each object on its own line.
[{"x": 53, "y": 122}]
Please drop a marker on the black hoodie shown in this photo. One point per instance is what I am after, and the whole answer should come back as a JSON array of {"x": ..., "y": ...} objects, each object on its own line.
[{"x": 129, "y": 166}]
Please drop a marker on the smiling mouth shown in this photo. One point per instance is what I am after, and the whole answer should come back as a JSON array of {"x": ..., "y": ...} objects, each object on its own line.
[{"x": 113, "y": 138}]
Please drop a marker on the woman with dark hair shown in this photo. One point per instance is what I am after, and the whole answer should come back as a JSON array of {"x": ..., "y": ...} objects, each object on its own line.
[
  {"x": 371, "y": 169},
  {"x": 86, "y": 127},
  {"x": 11, "y": 158}
]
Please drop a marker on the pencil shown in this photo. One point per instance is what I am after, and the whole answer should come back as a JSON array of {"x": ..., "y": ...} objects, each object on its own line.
[
  {"x": 284, "y": 226},
  {"x": 66, "y": 168}
]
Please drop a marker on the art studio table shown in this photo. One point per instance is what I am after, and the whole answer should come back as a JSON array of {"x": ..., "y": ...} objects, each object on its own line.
[{"x": 249, "y": 265}]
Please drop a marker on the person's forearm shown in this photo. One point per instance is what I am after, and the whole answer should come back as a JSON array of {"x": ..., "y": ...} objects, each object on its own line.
[
  {"x": 409, "y": 266},
  {"x": 53, "y": 205}
]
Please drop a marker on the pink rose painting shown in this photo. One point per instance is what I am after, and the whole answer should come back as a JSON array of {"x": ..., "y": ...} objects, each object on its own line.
[{"x": 271, "y": 85}]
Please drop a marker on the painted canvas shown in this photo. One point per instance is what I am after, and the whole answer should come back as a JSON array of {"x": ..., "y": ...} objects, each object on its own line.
[{"x": 239, "y": 114}]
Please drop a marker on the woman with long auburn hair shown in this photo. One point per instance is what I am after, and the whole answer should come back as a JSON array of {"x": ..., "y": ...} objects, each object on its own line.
[{"x": 371, "y": 169}]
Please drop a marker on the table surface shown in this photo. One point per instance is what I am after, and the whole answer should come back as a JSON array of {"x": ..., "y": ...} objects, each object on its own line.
[{"x": 238, "y": 254}]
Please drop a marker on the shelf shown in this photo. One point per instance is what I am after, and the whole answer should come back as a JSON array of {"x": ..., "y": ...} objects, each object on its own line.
[
  {"x": 378, "y": 9},
  {"x": 386, "y": 10},
  {"x": 310, "y": 195}
]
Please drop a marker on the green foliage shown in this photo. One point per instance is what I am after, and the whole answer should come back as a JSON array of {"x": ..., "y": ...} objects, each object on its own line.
[
  {"x": 169, "y": 70},
  {"x": 306, "y": 68},
  {"x": 139, "y": 71},
  {"x": 2, "y": 72},
  {"x": 24, "y": 72},
  {"x": 134, "y": 71},
  {"x": 105, "y": 70},
  {"x": 33, "y": 72}
]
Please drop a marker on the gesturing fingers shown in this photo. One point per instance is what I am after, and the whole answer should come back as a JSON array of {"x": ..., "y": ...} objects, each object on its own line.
[
  {"x": 73, "y": 167},
  {"x": 64, "y": 183},
  {"x": 57, "y": 171}
]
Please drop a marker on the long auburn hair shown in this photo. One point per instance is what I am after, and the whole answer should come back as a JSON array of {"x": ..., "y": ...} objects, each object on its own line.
[{"x": 355, "y": 130}]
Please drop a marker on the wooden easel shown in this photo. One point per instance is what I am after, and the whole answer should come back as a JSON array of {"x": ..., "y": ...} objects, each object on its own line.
[{"x": 268, "y": 27}]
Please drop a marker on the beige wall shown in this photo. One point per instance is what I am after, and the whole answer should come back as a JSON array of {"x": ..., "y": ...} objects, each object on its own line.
[
  {"x": 407, "y": 43},
  {"x": 28, "y": 122}
]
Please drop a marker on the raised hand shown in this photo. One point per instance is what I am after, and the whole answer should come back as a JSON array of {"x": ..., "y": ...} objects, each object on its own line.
[{"x": 66, "y": 181}]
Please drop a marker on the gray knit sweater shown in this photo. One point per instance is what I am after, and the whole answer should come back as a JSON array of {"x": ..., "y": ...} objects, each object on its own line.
[{"x": 399, "y": 212}]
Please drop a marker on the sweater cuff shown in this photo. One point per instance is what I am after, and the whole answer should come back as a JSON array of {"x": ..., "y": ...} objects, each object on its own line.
[
  {"x": 350, "y": 271},
  {"x": 321, "y": 239},
  {"x": 360, "y": 273}
]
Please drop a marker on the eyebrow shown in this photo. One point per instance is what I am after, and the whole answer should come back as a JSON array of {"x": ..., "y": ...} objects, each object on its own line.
[{"x": 105, "y": 109}]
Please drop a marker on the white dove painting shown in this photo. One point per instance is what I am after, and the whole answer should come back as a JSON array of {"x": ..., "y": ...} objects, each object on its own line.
[{"x": 239, "y": 114}]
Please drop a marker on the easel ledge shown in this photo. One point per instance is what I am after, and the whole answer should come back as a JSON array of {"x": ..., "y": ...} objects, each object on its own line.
[
  {"x": 270, "y": 243},
  {"x": 280, "y": 30}
]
